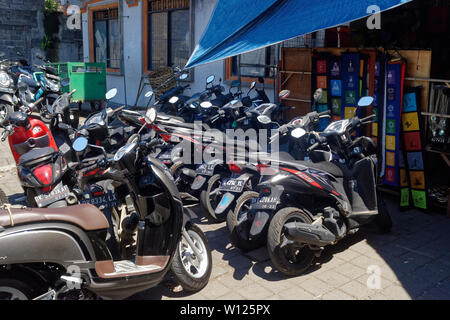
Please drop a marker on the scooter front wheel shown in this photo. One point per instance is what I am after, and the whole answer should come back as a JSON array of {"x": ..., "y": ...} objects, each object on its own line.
[
  {"x": 192, "y": 267},
  {"x": 239, "y": 223},
  {"x": 291, "y": 259},
  {"x": 209, "y": 199},
  {"x": 13, "y": 289},
  {"x": 5, "y": 111}
]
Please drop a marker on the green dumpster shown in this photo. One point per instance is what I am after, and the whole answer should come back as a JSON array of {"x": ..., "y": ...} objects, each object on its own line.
[{"x": 88, "y": 78}]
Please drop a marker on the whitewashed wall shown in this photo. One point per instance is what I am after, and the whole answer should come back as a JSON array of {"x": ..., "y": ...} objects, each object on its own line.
[{"x": 132, "y": 49}]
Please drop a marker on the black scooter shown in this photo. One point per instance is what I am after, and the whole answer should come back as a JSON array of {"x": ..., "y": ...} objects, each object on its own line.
[{"x": 312, "y": 205}]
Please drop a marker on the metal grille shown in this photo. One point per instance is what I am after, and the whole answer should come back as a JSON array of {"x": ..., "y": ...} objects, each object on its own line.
[{"x": 164, "y": 5}]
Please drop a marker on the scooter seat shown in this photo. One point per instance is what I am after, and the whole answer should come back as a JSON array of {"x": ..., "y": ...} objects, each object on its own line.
[
  {"x": 86, "y": 216},
  {"x": 36, "y": 156}
]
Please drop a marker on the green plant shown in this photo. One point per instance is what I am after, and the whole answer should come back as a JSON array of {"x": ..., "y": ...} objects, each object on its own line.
[
  {"x": 51, "y": 6},
  {"x": 46, "y": 43}
]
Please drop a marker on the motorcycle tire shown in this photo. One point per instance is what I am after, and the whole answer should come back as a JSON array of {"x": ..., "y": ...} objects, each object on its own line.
[
  {"x": 5, "y": 111},
  {"x": 205, "y": 201},
  {"x": 3, "y": 197},
  {"x": 14, "y": 289},
  {"x": 237, "y": 234},
  {"x": 285, "y": 259},
  {"x": 383, "y": 220},
  {"x": 175, "y": 170},
  {"x": 190, "y": 276}
]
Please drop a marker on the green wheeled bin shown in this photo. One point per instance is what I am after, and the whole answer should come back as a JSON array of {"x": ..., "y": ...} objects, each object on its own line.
[{"x": 89, "y": 80}]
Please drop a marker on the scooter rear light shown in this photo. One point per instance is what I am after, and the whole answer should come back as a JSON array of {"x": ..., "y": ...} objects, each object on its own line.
[
  {"x": 234, "y": 168},
  {"x": 265, "y": 191},
  {"x": 44, "y": 174},
  {"x": 47, "y": 189}
]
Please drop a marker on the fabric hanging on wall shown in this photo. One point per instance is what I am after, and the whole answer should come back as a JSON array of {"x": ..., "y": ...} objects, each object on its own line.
[
  {"x": 335, "y": 85},
  {"x": 320, "y": 80},
  {"x": 378, "y": 95},
  {"x": 413, "y": 177},
  {"x": 395, "y": 78},
  {"x": 350, "y": 84}
]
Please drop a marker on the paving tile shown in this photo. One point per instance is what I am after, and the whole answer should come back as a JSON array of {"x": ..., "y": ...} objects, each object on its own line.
[
  {"x": 356, "y": 289},
  {"x": 336, "y": 295},
  {"x": 232, "y": 295},
  {"x": 333, "y": 278},
  {"x": 396, "y": 292},
  {"x": 255, "y": 292},
  {"x": 316, "y": 286},
  {"x": 435, "y": 294},
  {"x": 296, "y": 293},
  {"x": 234, "y": 282},
  {"x": 350, "y": 270},
  {"x": 347, "y": 255},
  {"x": 215, "y": 289}
]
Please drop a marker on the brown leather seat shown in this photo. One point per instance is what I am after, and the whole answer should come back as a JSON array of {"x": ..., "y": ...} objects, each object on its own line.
[{"x": 86, "y": 216}]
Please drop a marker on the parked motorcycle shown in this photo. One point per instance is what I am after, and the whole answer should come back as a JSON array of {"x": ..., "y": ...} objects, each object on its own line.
[
  {"x": 75, "y": 263},
  {"x": 217, "y": 181},
  {"x": 304, "y": 206},
  {"x": 7, "y": 91}
]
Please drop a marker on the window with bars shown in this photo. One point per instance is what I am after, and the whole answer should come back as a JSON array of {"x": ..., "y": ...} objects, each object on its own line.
[
  {"x": 169, "y": 36},
  {"x": 107, "y": 37},
  {"x": 252, "y": 63}
]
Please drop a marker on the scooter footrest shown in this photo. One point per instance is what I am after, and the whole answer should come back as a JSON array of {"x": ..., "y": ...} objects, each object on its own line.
[{"x": 129, "y": 268}]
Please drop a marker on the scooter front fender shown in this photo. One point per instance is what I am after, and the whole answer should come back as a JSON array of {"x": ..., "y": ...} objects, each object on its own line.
[
  {"x": 225, "y": 202},
  {"x": 198, "y": 183},
  {"x": 259, "y": 223}
]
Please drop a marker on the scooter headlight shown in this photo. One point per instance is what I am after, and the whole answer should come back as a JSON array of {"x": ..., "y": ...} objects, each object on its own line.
[{"x": 5, "y": 79}]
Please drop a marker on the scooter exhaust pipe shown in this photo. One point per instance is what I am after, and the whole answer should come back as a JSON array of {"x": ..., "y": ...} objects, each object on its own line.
[{"x": 315, "y": 235}]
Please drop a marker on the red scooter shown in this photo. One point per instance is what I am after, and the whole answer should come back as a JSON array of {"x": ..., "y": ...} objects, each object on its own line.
[{"x": 40, "y": 165}]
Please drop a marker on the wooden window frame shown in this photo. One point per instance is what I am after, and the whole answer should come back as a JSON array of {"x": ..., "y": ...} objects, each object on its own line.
[
  {"x": 244, "y": 79},
  {"x": 91, "y": 12},
  {"x": 145, "y": 36}
]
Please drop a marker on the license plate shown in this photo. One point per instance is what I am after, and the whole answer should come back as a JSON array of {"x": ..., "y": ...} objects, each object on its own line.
[
  {"x": 232, "y": 185},
  {"x": 57, "y": 194},
  {"x": 264, "y": 203},
  {"x": 107, "y": 200},
  {"x": 205, "y": 169}
]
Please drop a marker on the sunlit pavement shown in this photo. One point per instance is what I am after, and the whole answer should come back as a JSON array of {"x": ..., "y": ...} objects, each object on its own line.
[{"x": 413, "y": 262}]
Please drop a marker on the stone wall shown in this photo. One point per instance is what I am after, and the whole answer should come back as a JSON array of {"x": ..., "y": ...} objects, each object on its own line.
[
  {"x": 22, "y": 30},
  {"x": 21, "y": 27}
]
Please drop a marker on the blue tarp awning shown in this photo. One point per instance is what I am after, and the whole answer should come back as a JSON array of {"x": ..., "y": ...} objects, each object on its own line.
[{"x": 239, "y": 26}]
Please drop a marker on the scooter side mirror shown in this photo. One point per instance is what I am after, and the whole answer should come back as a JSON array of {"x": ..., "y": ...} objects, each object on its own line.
[
  {"x": 39, "y": 56},
  {"x": 264, "y": 119},
  {"x": 206, "y": 105},
  {"x": 298, "y": 133},
  {"x": 111, "y": 94},
  {"x": 174, "y": 100},
  {"x": 183, "y": 76},
  {"x": 318, "y": 94},
  {"x": 210, "y": 79},
  {"x": 80, "y": 144},
  {"x": 150, "y": 116},
  {"x": 284, "y": 94},
  {"x": 365, "y": 101}
]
